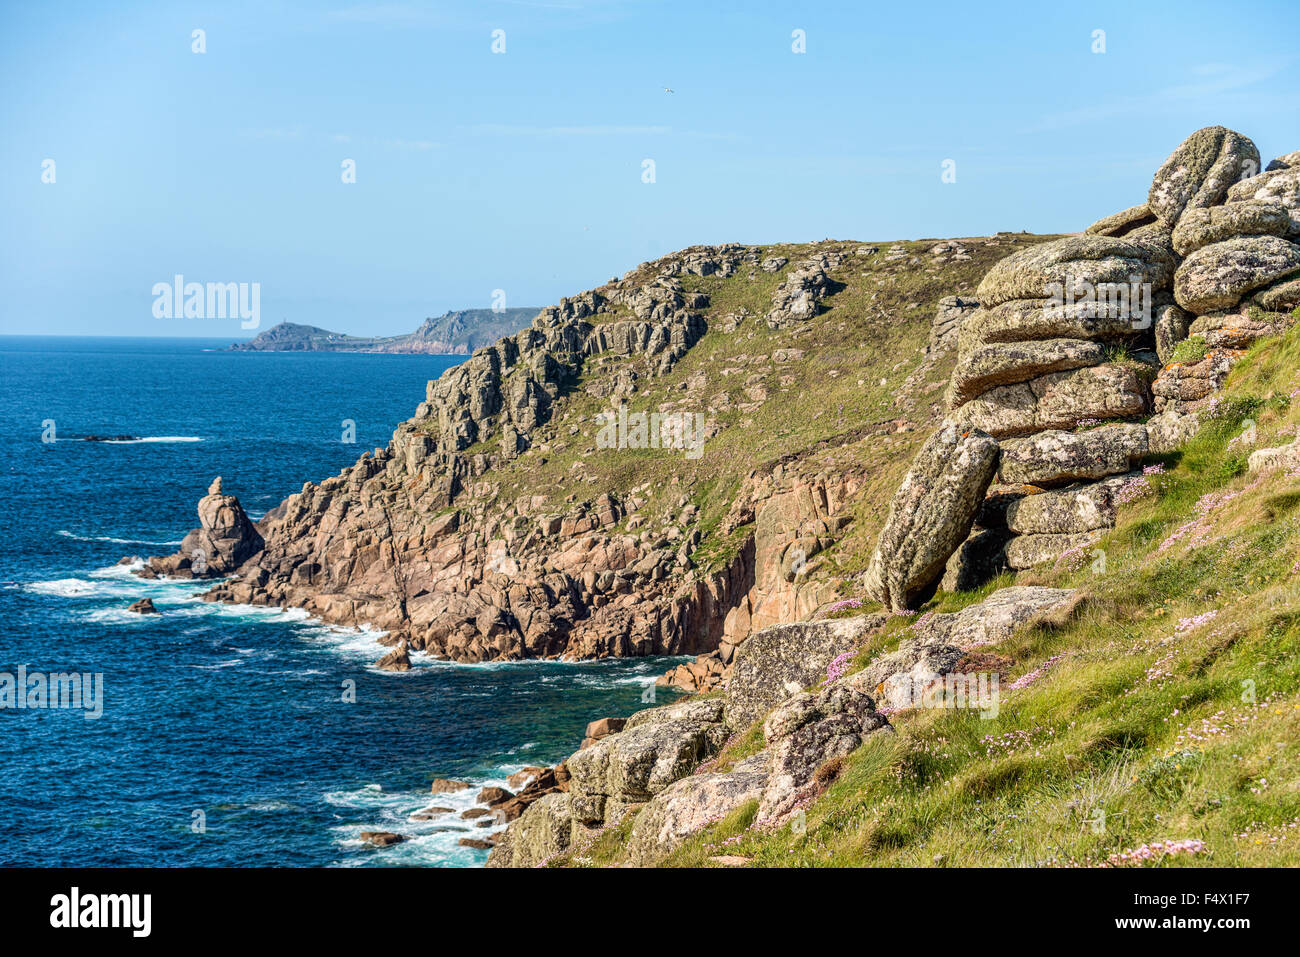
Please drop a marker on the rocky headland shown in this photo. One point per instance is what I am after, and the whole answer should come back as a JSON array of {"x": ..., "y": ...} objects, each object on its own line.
[{"x": 881, "y": 424}]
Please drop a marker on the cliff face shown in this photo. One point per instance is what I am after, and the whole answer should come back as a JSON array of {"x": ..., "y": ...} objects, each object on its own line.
[{"x": 525, "y": 510}]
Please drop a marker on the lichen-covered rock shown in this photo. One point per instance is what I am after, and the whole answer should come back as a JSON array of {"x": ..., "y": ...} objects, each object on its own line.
[
  {"x": 1076, "y": 264},
  {"x": 939, "y": 642},
  {"x": 1006, "y": 363},
  {"x": 1201, "y": 227},
  {"x": 777, "y": 662},
  {"x": 540, "y": 833},
  {"x": 799, "y": 296},
  {"x": 1231, "y": 330},
  {"x": 931, "y": 514},
  {"x": 1022, "y": 320},
  {"x": 1170, "y": 430},
  {"x": 1059, "y": 400},
  {"x": 804, "y": 734},
  {"x": 692, "y": 803},
  {"x": 1200, "y": 172},
  {"x": 1123, "y": 222},
  {"x": 1188, "y": 386},
  {"x": 1054, "y": 457},
  {"x": 1218, "y": 276},
  {"x": 1026, "y": 551},
  {"x": 1071, "y": 510},
  {"x": 1279, "y": 187},
  {"x": 946, "y": 326},
  {"x": 1282, "y": 296},
  {"x": 992, "y": 620},
  {"x": 655, "y": 748},
  {"x": 1171, "y": 325}
]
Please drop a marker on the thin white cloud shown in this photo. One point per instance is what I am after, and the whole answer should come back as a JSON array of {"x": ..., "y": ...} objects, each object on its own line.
[
  {"x": 511, "y": 129},
  {"x": 1218, "y": 80}
]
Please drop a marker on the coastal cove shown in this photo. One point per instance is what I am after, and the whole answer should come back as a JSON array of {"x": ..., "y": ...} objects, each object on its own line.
[{"x": 225, "y": 737}]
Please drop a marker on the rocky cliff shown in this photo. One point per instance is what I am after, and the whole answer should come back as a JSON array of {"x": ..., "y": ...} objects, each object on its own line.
[
  {"x": 500, "y": 523},
  {"x": 453, "y": 333}
]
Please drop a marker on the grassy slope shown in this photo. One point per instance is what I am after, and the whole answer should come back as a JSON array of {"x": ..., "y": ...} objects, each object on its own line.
[{"x": 1146, "y": 713}]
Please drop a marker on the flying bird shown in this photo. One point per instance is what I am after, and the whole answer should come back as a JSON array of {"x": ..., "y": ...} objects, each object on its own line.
[{"x": 666, "y": 90}]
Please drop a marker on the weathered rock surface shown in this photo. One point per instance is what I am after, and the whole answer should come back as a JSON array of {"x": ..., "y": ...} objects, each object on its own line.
[
  {"x": 805, "y": 733},
  {"x": 1006, "y": 363},
  {"x": 1076, "y": 264},
  {"x": 1218, "y": 276},
  {"x": 1123, "y": 222},
  {"x": 931, "y": 514},
  {"x": 143, "y": 607},
  {"x": 1202, "y": 227},
  {"x": 799, "y": 296},
  {"x": 1026, "y": 551},
  {"x": 224, "y": 540},
  {"x": 540, "y": 833},
  {"x": 1200, "y": 172},
  {"x": 783, "y": 660},
  {"x": 1059, "y": 400},
  {"x": 1071, "y": 510},
  {"x": 692, "y": 803},
  {"x": 1022, "y": 320},
  {"x": 1056, "y": 457},
  {"x": 1279, "y": 186},
  {"x": 656, "y": 748}
]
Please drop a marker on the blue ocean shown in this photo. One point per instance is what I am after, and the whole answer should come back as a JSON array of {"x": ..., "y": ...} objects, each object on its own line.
[{"x": 225, "y": 738}]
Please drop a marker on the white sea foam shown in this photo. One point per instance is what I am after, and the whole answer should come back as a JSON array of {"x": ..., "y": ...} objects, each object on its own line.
[
  {"x": 153, "y": 438},
  {"x": 109, "y": 538}
]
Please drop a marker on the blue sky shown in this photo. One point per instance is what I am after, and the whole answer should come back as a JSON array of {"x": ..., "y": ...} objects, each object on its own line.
[{"x": 522, "y": 171}]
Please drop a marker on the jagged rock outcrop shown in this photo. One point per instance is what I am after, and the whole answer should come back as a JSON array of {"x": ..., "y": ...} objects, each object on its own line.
[
  {"x": 224, "y": 540},
  {"x": 800, "y": 294}
]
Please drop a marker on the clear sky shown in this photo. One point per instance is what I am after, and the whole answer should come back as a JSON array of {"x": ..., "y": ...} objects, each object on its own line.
[{"x": 522, "y": 171}]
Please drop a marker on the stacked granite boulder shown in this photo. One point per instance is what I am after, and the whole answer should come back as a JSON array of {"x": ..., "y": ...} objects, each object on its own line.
[{"x": 1070, "y": 352}]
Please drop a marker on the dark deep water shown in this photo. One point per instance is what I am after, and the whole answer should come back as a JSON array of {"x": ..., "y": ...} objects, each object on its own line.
[{"x": 231, "y": 711}]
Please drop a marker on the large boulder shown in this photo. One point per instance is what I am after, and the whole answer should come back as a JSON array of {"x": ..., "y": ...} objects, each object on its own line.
[
  {"x": 656, "y": 748},
  {"x": 1074, "y": 265},
  {"x": 691, "y": 804},
  {"x": 781, "y": 661},
  {"x": 1005, "y": 363},
  {"x": 1026, "y": 551},
  {"x": 1022, "y": 320},
  {"x": 931, "y": 514},
  {"x": 1279, "y": 187},
  {"x": 804, "y": 734},
  {"x": 1123, "y": 222},
  {"x": 1055, "y": 456},
  {"x": 1200, "y": 172},
  {"x": 1071, "y": 510},
  {"x": 1216, "y": 277},
  {"x": 1202, "y": 227},
  {"x": 1171, "y": 325},
  {"x": 542, "y": 832},
  {"x": 1060, "y": 400}
]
